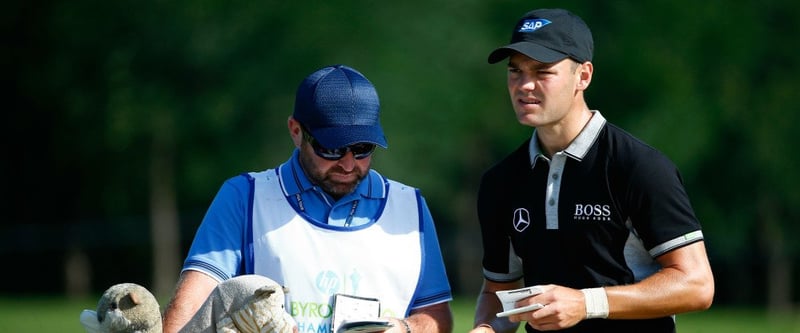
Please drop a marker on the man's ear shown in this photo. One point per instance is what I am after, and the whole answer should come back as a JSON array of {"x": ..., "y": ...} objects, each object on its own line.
[
  {"x": 295, "y": 131},
  {"x": 585, "y": 71}
]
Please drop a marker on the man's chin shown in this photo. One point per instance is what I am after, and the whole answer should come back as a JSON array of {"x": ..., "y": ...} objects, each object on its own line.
[{"x": 340, "y": 189}]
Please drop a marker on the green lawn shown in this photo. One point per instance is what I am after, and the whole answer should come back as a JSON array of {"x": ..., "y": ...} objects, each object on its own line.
[{"x": 41, "y": 315}]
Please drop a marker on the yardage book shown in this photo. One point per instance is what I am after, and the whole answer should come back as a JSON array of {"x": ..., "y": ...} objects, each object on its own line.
[
  {"x": 353, "y": 314},
  {"x": 508, "y": 299}
]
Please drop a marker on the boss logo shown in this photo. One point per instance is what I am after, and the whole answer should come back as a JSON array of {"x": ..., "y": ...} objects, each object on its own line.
[
  {"x": 594, "y": 212},
  {"x": 522, "y": 219}
]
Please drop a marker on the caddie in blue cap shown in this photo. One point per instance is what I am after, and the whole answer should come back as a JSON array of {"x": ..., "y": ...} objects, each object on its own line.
[
  {"x": 324, "y": 224},
  {"x": 337, "y": 117}
]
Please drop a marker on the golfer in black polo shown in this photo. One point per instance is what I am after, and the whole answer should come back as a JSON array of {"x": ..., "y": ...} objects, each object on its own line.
[{"x": 594, "y": 217}]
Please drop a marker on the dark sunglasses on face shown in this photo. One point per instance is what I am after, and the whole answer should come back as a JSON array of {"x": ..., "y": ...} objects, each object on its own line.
[{"x": 359, "y": 150}]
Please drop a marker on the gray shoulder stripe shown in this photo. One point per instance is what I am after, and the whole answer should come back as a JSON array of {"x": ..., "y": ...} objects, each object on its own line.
[{"x": 686, "y": 239}]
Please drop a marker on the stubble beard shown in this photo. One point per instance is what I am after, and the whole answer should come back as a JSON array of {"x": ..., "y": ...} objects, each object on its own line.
[{"x": 322, "y": 178}]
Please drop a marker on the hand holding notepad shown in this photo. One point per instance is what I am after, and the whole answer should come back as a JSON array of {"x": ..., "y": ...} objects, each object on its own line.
[{"x": 509, "y": 298}]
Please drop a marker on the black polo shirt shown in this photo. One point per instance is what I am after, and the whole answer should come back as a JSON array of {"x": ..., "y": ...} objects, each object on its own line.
[{"x": 595, "y": 214}]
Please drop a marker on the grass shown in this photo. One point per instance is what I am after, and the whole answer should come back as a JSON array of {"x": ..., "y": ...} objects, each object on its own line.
[{"x": 58, "y": 314}]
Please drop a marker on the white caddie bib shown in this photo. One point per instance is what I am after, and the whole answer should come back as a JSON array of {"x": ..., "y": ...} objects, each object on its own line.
[{"x": 383, "y": 260}]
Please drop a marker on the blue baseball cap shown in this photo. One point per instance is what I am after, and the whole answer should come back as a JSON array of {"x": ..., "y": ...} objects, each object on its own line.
[{"x": 339, "y": 107}]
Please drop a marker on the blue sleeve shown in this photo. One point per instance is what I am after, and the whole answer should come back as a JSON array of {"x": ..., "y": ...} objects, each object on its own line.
[
  {"x": 433, "y": 287},
  {"x": 217, "y": 246}
]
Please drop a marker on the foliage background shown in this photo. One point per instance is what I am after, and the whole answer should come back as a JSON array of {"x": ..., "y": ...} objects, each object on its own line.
[{"x": 125, "y": 117}]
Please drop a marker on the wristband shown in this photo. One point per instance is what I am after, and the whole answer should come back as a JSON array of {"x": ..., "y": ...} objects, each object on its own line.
[
  {"x": 596, "y": 303},
  {"x": 405, "y": 323}
]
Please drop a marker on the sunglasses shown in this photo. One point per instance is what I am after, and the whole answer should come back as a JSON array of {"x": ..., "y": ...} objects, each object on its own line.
[{"x": 359, "y": 150}]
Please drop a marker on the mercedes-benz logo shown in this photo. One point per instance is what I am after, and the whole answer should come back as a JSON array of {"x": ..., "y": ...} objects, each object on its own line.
[{"x": 522, "y": 219}]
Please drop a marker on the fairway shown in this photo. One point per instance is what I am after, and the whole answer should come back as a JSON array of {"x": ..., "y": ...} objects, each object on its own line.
[{"x": 51, "y": 314}]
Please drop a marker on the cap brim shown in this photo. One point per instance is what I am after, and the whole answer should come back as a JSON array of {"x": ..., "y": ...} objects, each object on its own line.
[
  {"x": 532, "y": 50},
  {"x": 337, "y": 137}
]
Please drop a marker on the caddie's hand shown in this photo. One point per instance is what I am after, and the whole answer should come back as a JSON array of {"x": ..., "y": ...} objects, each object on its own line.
[{"x": 564, "y": 307}]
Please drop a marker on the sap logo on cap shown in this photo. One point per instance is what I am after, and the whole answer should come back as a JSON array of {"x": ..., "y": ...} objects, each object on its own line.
[{"x": 533, "y": 25}]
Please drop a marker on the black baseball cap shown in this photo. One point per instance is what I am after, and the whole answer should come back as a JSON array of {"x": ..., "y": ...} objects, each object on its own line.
[{"x": 549, "y": 35}]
